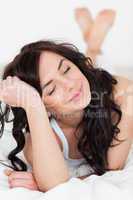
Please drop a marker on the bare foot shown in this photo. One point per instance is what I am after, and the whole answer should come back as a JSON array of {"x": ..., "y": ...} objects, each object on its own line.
[
  {"x": 100, "y": 28},
  {"x": 94, "y": 32},
  {"x": 84, "y": 19}
]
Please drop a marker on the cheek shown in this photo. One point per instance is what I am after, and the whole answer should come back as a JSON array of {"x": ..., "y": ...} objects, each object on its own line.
[
  {"x": 87, "y": 93},
  {"x": 53, "y": 103}
]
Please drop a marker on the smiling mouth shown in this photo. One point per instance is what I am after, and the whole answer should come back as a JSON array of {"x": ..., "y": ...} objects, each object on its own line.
[{"x": 77, "y": 94}]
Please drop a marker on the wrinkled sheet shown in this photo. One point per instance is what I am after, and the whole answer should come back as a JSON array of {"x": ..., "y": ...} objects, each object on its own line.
[{"x": 113, "y": 185}]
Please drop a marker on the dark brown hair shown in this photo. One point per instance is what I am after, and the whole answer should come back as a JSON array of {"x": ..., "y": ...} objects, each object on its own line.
[{"x": 99, "y": 129}]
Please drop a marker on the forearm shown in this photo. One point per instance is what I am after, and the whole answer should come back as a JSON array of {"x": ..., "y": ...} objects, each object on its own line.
[{"x": 49, "y": 166}]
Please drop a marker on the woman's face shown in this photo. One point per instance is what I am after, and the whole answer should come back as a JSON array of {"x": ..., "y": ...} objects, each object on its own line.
[{"x": 60, "y": 80}]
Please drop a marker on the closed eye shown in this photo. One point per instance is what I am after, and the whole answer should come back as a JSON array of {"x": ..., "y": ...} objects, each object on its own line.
[
  {"x": 67, "y": 70},
  {"x": 55, "y": 86},
  {"x": 52, "y": 91}
]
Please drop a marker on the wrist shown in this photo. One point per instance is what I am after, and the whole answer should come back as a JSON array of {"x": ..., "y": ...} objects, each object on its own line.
[{"x": 33, "y": 102}]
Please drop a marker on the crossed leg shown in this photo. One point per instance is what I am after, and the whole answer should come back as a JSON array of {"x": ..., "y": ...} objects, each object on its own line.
[{"x": 94, "y": 31}]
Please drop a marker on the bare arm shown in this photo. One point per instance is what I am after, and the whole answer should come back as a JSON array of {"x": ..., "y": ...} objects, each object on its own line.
[
  {"x": 117, "y": 155},
  {"x": 49, "y": 166}
]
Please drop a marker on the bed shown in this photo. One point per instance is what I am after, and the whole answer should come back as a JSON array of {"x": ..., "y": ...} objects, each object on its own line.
[{"x": 113, "y": 185}]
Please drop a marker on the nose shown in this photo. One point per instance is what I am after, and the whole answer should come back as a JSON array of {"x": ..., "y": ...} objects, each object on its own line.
[{"x": 68, "y": 85}]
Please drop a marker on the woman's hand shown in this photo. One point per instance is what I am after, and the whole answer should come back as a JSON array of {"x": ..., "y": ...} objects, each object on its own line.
[
  {"x": 21, "y": 179},
  {"x": 18, "y": 93}
]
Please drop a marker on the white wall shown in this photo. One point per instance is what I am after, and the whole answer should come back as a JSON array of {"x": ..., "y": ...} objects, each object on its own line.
[{"x": 28, "y": 20}]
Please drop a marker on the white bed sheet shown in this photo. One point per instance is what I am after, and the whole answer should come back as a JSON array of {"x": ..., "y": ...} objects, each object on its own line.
[{"x": 113, "y": 185}]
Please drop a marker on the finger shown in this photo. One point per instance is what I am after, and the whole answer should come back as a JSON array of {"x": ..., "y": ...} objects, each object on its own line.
[
  {"x": 3, "y": 92},
  {"x": 15, "y": 79},
  {"x": 21, "y": 175},
  {"x": 23, "y": 183},
  {"x": 9, "y": 80},
  {"x": 3, "y": 85},
  {"x": 4, "y": 88}
]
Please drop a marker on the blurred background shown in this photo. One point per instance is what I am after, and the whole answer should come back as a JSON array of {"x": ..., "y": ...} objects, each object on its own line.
[{"x": 27, "y": 21}]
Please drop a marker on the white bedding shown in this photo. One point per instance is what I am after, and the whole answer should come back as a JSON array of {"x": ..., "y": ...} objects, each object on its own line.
[{"x": 113, "y": 185}]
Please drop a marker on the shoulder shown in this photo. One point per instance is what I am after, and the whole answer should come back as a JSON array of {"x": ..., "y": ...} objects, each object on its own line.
[
  {"x": 123, "y": 81},
  {"x": 123, "y": 96},
  {"x": 123, "y": 89}
]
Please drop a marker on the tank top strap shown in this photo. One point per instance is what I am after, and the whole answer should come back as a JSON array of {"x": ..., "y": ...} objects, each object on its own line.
[{"x": 61, "y": 135}]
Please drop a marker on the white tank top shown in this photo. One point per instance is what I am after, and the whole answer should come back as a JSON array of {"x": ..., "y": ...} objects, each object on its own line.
[{"x": 77, "y": 167}]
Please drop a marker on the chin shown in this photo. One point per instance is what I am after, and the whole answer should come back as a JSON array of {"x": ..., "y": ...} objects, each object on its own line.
[
  {"x": 80, "y": 107},
  {"x": 83, "y": 102}
]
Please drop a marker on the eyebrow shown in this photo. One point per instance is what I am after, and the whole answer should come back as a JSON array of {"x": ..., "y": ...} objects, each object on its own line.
[{"x": 59, "y": 66}]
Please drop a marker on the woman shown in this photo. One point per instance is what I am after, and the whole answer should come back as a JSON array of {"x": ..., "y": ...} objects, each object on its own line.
[{"x": 50, "y": 83}]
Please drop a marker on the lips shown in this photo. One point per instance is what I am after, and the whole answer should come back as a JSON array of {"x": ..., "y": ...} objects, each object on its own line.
[{"x": 76, "y": 94}]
